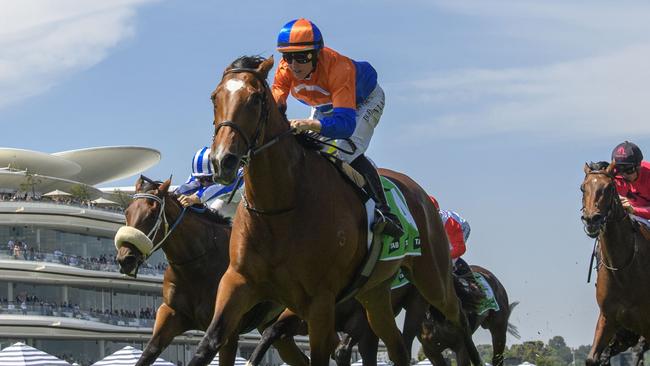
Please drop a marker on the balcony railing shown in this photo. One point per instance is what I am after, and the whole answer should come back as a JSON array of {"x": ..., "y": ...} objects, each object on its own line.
[
  {"x": 46, "y": 309},
  {"x": 80, "y": 262}
]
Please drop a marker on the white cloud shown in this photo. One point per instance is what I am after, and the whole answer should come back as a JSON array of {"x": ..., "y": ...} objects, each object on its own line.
[
  {"x": 603, "y": 94},
  {"x": 43, "y": 41}
]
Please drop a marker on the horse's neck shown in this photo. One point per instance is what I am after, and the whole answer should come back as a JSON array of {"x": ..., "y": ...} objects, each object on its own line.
[
  {"x": 184, "y": 243},
  {"x": 618, "y": 242},
  {"x": 271, "y": 179}
]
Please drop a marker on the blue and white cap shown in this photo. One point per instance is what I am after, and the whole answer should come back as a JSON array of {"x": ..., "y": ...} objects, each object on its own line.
[{"x": 201, "y": 165}]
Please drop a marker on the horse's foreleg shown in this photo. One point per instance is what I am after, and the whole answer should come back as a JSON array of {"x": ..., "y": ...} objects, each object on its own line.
[
  {"x": 320, "y": 321},
  {"x": 498, "y": 332},
  {"x": 228, "y": 352},
  {"x": 462, "y": 358},
  {"x": 433, "y": 352},
  {"x": 343, "y": 351},
  {"x": 234, "y": 299},
  {"x": 445, "y": 301},
  {"x": 368, "y": 345},
  {"x": 168, "y": 325},
  {"x": 285, "y": 327},
  {"x": 605, "y": 330},
  {"x": 379, "y": 311},
  {"x": 640, "y": 349}
]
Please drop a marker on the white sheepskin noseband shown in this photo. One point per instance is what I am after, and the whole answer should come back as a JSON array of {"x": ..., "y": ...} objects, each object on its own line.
[{"x": 129, "y": 234}]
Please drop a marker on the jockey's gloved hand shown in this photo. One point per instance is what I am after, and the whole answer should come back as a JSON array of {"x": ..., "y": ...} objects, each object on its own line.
[{"x": 626, "y": 205}]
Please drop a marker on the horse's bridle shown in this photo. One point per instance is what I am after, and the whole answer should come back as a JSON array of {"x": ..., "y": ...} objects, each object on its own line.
[
  {"x": 614, "y": 200},
  {"x": 251, "y": 143},
  {"x": 160, "y": 220}
]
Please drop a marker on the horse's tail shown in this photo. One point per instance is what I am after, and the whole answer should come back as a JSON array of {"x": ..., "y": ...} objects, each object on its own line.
[
  {"x": 470, "y": 296},
  {"x": 512, "y": 329}
]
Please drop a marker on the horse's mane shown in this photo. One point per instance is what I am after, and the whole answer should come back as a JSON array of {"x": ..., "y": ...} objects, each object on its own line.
[
  {"x": 598, "y": 165},
  {"x": 246, "y": 62},
  {"x": 211, "y": 215}
]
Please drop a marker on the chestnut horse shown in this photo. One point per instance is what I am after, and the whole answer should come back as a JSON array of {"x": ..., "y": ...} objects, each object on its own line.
[
  {"x": 624, "y": 260},
  {"x": 351, "y": 319},
  {"x": 197, "y": 251},
  {"x": 299, "y": 236},
  {"x": 437, "y": 335}
]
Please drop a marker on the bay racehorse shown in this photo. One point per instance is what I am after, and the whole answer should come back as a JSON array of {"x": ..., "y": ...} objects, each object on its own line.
[
  {"x": 196, "y": 247},
  {"x": 623, "y": 275},
  {"x": 437, "y": 335},
  {"x": 299, "y": 236}
]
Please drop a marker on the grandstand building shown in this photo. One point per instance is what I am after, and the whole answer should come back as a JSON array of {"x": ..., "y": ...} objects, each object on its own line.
[{"x": 60, "y": 288}]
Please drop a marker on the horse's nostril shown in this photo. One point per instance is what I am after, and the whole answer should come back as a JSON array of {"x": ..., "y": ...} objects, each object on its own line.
[{"x": 229, "y": 162}]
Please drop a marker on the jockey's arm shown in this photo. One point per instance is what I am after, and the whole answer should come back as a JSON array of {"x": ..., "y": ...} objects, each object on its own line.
[
  {"x": 642, "y": 211},
  {"x": 189, "y": 200},
  {"x": 456, "y": 240}
]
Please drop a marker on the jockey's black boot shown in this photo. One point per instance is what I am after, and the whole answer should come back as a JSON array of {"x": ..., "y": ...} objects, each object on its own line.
[
  {"x": 373, "y": 186},
  {"x": 461, "y": 268}
]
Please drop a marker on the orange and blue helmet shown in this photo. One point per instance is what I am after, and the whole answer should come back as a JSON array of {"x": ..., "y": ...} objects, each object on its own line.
[{"x": 299, "y": 35}]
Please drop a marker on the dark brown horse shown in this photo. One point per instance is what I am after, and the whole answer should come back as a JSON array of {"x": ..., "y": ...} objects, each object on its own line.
[
  {"x": 300, "y": 235},
  {"x": 623, "y": 274},
  {"x": 622, "y": 341},
  {"x": 197, "y": 251},
  {"x": 437, "y": 335}
]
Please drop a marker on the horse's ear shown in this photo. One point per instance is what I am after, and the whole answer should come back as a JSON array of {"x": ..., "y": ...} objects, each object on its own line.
[
  {"x": 138, "y": 183},
  {"x": 265, "y": 67},
  {"x": 611, "y": 168},
  {"x": 587, "y": 168},
  {"x": 164, "y": 187}
]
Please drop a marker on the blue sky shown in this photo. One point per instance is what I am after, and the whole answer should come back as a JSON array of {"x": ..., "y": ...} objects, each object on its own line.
[{"x": 492, "y": 106}]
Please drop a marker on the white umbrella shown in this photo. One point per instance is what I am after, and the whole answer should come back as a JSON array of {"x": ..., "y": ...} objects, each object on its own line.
[
  {"x": 238, "y": 361},
  {"x": 127, "y": 356},
  {"x": 57, "y": 193},
  {"x": 20, "y": 354},
  {"x": 103, "y": 201}
]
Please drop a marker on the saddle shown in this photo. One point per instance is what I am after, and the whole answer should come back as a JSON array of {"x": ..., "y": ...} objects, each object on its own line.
[{"x": 642, "y": 226}]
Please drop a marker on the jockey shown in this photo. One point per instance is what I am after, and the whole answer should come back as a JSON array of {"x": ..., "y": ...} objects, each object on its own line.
[
  {"x": 632, "y": 179},
  {"x": 345, "y": 98},
  {"x": 457, "y": 229},
  {"x": 201, "y": 189}
]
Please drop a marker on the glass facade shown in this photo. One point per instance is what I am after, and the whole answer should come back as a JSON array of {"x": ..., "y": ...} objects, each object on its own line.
[
  {"x": 73, "y": 249},
  {"x": 101, "y": 303}
]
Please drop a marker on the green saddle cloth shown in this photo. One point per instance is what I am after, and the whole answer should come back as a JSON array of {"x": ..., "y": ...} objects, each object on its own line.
[
  {"x": 399, "y": 280},
  {"x": 489, "y": 301},
  {"x": 409, "y": 243}
]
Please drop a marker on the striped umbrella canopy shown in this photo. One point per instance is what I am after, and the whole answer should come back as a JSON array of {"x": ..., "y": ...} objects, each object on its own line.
[
  {"x": 238, "y": 361},
  {"x": 127, "y": 356},
  {"x": 360, "y": 363},
  {"x": 20, "y": 354}
]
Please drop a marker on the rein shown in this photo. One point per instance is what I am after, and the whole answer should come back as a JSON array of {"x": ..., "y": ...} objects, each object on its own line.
[{"x": 162, "y": 219}]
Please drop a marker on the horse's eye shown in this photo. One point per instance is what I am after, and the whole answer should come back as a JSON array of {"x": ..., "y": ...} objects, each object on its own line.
[{"x": 582, "y": 188}]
